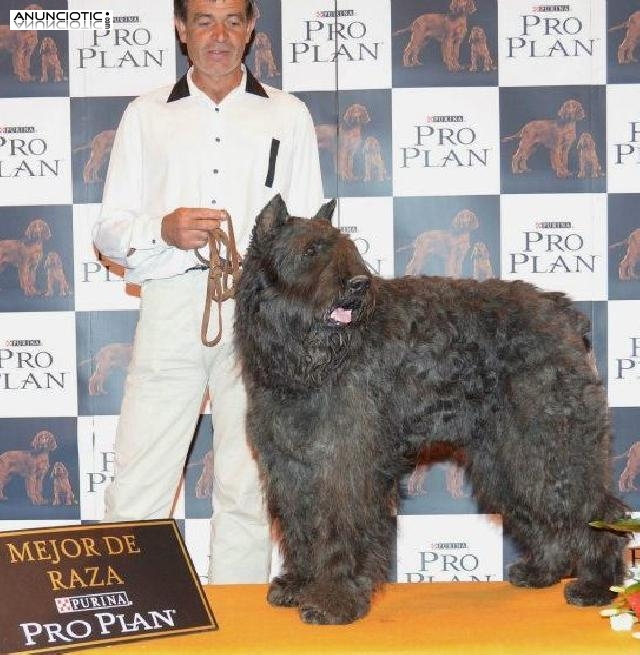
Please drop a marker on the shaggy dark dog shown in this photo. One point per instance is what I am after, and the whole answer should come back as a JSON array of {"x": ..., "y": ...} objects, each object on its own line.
[{"x": 349, "y": 375}]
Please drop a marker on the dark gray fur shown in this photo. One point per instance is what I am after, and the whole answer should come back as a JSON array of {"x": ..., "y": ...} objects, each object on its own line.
[{"x": 337, "y": 412}]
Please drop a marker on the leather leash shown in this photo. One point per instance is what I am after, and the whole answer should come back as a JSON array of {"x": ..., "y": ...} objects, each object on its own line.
[{"x": 220, "y": 272}]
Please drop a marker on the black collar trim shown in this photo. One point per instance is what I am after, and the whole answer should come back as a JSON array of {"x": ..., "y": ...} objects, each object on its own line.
[{"x": 181, "y": 88}]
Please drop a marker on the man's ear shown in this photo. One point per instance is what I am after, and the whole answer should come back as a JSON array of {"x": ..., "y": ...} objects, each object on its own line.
[
  {"x": 326, "y": 211},
  {"x": 181, "y": 29},
  {"x": 273, "y": 215}
]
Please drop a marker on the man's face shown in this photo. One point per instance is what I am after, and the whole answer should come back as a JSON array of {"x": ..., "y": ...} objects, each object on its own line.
[{"x": 216, "y": 33}]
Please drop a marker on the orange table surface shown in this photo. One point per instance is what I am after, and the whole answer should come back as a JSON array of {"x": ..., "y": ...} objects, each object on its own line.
[{"x": 489, "y": 618}]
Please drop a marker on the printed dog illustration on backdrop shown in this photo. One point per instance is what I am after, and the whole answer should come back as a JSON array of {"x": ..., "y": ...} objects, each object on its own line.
[
  {"x": 21, "y": 44},
  {"x": 374, "y": 166},
  {"x": 109, "y": 358},
  {"x": 426, "y": 457},
  {"x": 631, "y": 38},
  {"x": 448, "y": 29},
  {"x": 556, "y": 135},
  {"x": 481, "y": 262},
  {"x": 349, "y": 375},
  {"x": 480, "y": 55},
  {"x": 101, "y": 146},
  {"x": 204, "y": 485},
  {"x": 50, "y": 60},
  {"x": 588, "y": 164},
  {"x": 447, "y": 246},
  {"x": 629, "y": 267},
  {"x": 32, "y": 465},
  {"x": 25, "y": 254},
  {"x": 344, "y": 145},
  {"x": 263, "y": 56},
  {"x": 62, "y": 490},
  {"x": 627, "y": 479},
  {"x": 56, "y": 278}
]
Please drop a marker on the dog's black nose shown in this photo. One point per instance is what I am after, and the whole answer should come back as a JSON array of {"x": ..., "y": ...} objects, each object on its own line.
[{"x": 358, "y": 283}]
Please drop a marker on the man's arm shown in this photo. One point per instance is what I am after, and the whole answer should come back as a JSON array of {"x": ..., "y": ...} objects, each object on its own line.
[
  {"x": 124, "y": 233},
  {"x": 305, "y": 194}
]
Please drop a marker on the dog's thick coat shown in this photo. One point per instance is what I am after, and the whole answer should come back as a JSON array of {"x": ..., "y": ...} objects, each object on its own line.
[{"x": 349, "y": 375}]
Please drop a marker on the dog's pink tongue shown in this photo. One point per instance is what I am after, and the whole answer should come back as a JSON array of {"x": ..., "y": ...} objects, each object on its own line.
[{"x": 341, "y": 315}]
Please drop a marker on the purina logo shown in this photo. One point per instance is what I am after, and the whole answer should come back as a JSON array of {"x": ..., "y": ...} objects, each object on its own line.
[
  {"x": 552, "y": 251},
  {"x": 443, "y": 146},
  {"x": 541, "y": 36},
  {"x": 328, "y": 38},
  {"x": 121, "y": 47},
  {"x": 18, "y": 129},
  {"x": 629, "y": 150},
  {"x": 41, "y": 19},
  {"x": 554, "y": 8},
  {"x": 29, "y": 366},
  {"x": 23, "y": 156}
]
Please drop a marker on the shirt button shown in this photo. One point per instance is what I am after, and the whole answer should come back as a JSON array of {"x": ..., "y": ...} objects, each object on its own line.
[
  {"x": 215, "y": 171},
  {"x": 217, "y": 108},
  {"x": 213, "y": 202},
  {"x": 217, "y": 139}
]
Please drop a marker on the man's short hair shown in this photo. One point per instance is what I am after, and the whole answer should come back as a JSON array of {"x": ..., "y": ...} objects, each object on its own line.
[{"x": 180, "y": 9}]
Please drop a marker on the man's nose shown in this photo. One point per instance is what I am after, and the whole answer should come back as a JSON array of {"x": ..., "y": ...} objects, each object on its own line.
[{"x": 219, "y": 31}]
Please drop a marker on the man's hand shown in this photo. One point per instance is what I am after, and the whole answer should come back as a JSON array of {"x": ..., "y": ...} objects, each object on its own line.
[{"x": 188, "y": 228}]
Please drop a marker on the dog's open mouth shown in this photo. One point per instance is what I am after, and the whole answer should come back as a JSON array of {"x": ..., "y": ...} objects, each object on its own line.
[{"x": 340, "y": 316}]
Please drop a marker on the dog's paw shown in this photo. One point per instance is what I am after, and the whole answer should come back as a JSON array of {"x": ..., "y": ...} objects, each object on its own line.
[
  {"x": 284, "y": 591},
  {"x": 583, "y": 593},
  {"x": 525, "y": 574},
  {"x": 334, "y": 604}
]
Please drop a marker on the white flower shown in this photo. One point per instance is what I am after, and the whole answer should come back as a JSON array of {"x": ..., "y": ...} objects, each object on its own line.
[{"x": 622, "y": 622}]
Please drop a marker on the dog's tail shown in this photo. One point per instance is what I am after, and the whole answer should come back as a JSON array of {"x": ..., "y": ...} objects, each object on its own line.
[
  {"x": 622, "y": 26},
  {"x": 512, "y": 137},
  {"x": 84, "y": 147},
  {"x": 624, "y": 242},
  {"x": 402, "y": 31},
  {"x": 401, "y": 248}
]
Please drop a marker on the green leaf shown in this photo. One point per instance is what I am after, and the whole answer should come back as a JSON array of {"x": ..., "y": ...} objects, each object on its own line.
[{"x": 622, "y": 525}]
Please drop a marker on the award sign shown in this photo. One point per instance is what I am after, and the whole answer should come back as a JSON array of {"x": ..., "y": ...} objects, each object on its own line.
[{"x": 90, "y": 585}]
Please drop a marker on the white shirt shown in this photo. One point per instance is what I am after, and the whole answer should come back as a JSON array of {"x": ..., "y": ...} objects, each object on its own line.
[{"x": 175, "y": 148}]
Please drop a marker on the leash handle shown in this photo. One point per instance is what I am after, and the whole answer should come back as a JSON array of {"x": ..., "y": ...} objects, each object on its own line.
[{"x": 220, "y": 272}]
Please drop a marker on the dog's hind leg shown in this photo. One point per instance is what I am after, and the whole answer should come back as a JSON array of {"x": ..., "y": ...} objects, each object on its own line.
[{"x": 600, "y": 558}]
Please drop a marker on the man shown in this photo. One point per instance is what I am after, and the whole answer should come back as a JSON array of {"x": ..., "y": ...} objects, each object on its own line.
[{"x": 217, "y": 141}]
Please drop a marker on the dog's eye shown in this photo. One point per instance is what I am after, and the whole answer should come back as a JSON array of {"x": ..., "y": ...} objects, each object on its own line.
[{"x": 310, "y": 250}]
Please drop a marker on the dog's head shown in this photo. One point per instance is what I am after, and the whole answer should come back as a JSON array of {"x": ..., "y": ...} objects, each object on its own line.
[
  {"x": 458, "y": 7},
  {"x": 262, "y": 40},
  {"x": 44, "y": 441},
  {"x": 48, "y": 46},
  {"x": 465, "y": 221},
  {"x": 585, "y": 141},
  {"x": 477, "y": 35},
  {"x": 59, "y": 470},
  {"x": 52, "y": 260},
  {"x": 38, "y": 230},
  {"x": 371, "y": 145},
  {"x": 356, "y": 114},
  {"x": 309, "y": 265},
  {"x": 571, "y": 110},
  {"x": 480, "y": 250}
]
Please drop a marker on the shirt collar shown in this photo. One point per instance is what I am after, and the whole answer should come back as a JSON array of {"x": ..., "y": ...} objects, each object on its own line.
[{"x": 185, "y": 86}]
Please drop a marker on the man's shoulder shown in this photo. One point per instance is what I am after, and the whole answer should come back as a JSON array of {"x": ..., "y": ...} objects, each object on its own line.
[
  {"x": 153, "y": 98},
  {"x": 284, "y": 99}
]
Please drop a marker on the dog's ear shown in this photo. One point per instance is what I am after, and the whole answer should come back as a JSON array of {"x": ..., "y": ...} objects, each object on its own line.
[
  {"x": 326, "y": 211},
  {"x": 274, "y": 214}
]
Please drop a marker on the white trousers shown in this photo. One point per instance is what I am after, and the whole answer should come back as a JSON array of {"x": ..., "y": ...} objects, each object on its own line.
[{"x": 168, "y": 375}]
